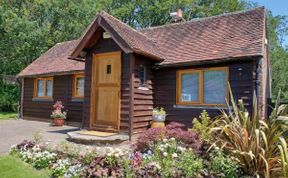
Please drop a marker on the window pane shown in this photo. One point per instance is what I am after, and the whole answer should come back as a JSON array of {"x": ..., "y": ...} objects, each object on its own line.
[
  {"x": 40, "y": 88},
  {"x": 215, "y": 86},
  {"x": 49, "y": 87},
  {"x": 190, "y": 87},
  {"x": 80, "y": 86}
]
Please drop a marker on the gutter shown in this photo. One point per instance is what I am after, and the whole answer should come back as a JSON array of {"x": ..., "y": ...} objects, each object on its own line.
[{"x": 197, "y": 63}]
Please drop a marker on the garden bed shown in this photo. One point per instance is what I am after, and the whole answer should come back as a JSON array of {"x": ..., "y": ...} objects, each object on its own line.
[{"x": 229, "y": 146}]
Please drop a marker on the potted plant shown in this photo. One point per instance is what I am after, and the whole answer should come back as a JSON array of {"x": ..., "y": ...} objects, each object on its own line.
[
  {"x": 58, "y": 115},
  {"x": 159, "y": 117}
]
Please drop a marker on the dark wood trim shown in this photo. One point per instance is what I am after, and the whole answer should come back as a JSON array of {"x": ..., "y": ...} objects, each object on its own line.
[
  {"x": 22, "y": 98},
  {"x": 131, "y": 99},
  {"x": 208, "y": 62},
  {"x": 51, "y": 74}
]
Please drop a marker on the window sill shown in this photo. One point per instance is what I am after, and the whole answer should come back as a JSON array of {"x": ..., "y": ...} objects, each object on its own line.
[
  {"x": 77, "y": 99},
  {"x": 143, "y": 88},
  {"x": 199, "y": 106},
  {"x": 42, "y": 99}
]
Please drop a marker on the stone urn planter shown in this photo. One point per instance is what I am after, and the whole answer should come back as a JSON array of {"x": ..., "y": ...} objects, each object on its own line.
[
  {"x": 59, "y": 121},
  {"x": 158, "y": 118}
]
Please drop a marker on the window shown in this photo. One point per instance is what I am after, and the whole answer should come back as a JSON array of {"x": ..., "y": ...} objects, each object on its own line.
[
  {"x": 142, "y": 75},
  {"x": 43, "y": 87},
  {"x": 202, "y": 86},
  {"x": 108, "y": 69},
  {"x": 78, "y": 86}
]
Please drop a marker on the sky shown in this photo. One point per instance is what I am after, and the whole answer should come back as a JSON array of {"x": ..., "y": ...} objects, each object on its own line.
[{"x": 278, "y": 7}]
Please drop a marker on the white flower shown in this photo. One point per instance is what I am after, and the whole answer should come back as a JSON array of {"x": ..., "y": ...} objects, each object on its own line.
[
  {"x": 116, "y": 155},
  {"x": 165, "y": 154},
  {"x": 118, "y": 150},
  {"x": 174, "y": 155},
  {"x": 181, "y": 148},
  {"x": 172, "y": 139},
  {"x": 109, "y": 154},
  {"x": 165, "y": 140}
]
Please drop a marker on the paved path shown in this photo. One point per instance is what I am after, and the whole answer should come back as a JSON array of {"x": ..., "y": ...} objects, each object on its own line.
[{"x": 15, "y": 131}]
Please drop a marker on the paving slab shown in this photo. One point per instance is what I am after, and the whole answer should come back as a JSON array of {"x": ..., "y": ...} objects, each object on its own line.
[{"x": 16, "y": 130}]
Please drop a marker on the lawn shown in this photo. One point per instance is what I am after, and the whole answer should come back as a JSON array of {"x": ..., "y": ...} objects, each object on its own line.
[
  {"x": 7, "y": 115},
  {"x": 12, "y": 167}
]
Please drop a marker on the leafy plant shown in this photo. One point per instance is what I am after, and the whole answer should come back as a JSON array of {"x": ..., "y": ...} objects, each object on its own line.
[
  {"x": 284, "y": 156},
  {"x": 159, "y": 112},
  {"x": 203, "y": 126},
  {"x": 37, "y": 137},
  {"x": 58, "y": 113},
  {"x": 222, "y": 165},
  {"x": 251, "y": 140}
]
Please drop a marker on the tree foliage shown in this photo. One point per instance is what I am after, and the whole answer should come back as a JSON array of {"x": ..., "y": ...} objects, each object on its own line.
[{"x": 29, "y": 27}]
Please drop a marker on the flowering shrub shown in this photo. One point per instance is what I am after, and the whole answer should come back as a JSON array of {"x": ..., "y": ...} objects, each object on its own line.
[
  {"x": 57, "y": 113},
  {"x": 74, "y": 171},
  {"x": 37, "y": 157},
  {"x": 151, "y": 169},
  {"x": 175, "y": 130},
  {"x": 113, "y": 164},
  {"x": 172, "y": 159},
  {"x": 60, "y": 167}
]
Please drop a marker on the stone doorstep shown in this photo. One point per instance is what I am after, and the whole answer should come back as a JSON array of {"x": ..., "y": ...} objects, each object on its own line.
[{"x": 76, "y": 137}]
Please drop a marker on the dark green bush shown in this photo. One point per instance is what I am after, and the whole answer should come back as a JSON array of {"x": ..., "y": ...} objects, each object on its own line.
[{"x": 9, "y": 96}]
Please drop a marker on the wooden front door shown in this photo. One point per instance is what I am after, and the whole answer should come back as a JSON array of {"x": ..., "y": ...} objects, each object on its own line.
[{"x": 105, "y": 95}]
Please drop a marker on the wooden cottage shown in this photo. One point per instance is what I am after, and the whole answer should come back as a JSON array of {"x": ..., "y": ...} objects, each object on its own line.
[{"x": 183, "y": 67}]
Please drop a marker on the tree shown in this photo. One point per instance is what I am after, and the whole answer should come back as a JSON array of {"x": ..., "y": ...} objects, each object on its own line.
[{"x": 29, "y": 27}]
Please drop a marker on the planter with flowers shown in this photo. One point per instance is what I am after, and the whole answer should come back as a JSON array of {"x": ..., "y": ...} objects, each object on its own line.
[
  {"x": 58, "y": 115},
  {"x": 158, "y": 117}
]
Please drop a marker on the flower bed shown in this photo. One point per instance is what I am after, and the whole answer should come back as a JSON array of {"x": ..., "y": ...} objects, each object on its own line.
[{"x": 163, "y": 152}]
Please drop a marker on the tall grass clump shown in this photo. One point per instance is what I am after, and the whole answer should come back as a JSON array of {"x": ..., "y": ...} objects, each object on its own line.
[{"x": 259, "y": 144}]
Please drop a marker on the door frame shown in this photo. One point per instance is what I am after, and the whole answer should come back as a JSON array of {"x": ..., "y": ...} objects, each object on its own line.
[{"x": 93, "y": 98}]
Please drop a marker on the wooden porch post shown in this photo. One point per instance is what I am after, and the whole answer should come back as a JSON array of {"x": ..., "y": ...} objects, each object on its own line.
[{"x": 131, "y": 98}]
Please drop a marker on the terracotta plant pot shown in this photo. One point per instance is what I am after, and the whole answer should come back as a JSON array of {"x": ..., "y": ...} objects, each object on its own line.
[
  {"x": 157, "y": 124},
  {"x": 59, "y": 122}
]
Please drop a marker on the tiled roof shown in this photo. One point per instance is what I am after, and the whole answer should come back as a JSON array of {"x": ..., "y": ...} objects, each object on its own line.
[
  {"x": 138, "y": 42},
  {"x": 228, "y": 36},
  {"x": 225, "y": 36},
  {"x": 54, "y": 61}
]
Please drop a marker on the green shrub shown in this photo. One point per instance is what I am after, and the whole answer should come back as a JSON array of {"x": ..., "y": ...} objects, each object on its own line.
[
  {"x": 222, "y": 165},
  {"x": 189, "y": 163},
  {"x": 202, "y": 126},
  {"x": 9, "y": 96},
  {"x": 173, "y": 159}
]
